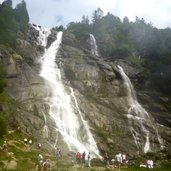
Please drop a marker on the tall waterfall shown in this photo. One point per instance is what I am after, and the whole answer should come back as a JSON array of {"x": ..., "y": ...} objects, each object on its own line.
[
  {"x": 94, "y": 49},
  {"x": 64, "y": 109},
  {"x": 138, "y": 117}
]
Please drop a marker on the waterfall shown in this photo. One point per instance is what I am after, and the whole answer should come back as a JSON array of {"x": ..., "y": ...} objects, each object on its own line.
[
  {"x": 43, "y": 34},
  {"x": 64, "y": 109},
  {"x": 138, "y": 117},
  {"x": 45, "y": 128},
  {"x": 93, "y": 44}
]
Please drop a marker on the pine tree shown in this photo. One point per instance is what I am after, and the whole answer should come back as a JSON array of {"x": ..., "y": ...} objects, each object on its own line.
[{"x": 97, "y": 15}]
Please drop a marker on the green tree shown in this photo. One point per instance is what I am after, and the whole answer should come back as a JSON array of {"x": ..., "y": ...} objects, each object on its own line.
[
  {"x": 80, "y": 30},
  {"x": 126, "y": 20},
  {"x": 13, "y": 22},
  {"x": 85, "y": 20},
  {"x": 97, "y": 15},
  {"x": 22, "y": 17},
  {"x": 8, "y": 25},
  {"x": 60, "y": 28},
  {"x": 7, "y": 3},
  {"x": 144, "y": 38}
]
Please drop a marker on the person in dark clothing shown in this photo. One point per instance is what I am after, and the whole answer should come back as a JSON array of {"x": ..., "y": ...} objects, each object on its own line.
[
  {"x": 83, "y": 157},
  {"x": 106, "y": 159}
]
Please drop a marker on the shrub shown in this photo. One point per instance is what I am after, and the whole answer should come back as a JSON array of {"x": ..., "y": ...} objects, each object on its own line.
[{"x": 166, "y": 164}]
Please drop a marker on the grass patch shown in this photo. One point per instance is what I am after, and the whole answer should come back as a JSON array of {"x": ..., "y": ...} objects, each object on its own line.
[
  {"x": 143, "y": 169},
  {"x": 5, "y": 98},
  {"x": 26, "y": 158}
]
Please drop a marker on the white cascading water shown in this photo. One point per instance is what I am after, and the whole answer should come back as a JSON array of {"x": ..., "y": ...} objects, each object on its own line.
[
  {"x": 138, "y": 117},
  {"x": 94, "y": 49},
  {"x": 45, "y": 129},
  {"x": 42, "y": 40},
  {"x": 64, "y": 108},
  {"x": 43, "y": 34}
]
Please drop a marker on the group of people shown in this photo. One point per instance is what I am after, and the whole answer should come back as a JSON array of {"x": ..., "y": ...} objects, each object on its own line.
[
  {"x": 26, "y": 141},
  {"x": 30, "y": 143},
  {"x": 84, "y": 158},
  {"x": 148, "y": 164},
  {"x": 117, "y": 161},
  {"x": 43, "y": 164}
]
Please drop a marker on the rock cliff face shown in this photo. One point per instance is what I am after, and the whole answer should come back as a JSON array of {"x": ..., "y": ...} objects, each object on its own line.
[{"x": 100, "y": 91}]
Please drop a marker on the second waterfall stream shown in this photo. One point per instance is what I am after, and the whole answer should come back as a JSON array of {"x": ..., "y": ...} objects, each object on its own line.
[
  {"x": 138, "y": 118},
  {"x": 64, "y": 109}
]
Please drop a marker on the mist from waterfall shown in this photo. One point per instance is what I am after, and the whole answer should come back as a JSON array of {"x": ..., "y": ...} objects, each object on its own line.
[
  {"x": 94, "y": 49},
  {"x": 138, "y": 117},
  {"x": 64, "y": 109}
]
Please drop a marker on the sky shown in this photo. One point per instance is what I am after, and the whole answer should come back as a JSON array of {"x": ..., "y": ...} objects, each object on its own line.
[{"x": 50, "y": 13}]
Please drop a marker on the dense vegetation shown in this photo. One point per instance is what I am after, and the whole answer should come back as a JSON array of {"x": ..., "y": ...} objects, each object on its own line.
[
  {"x": 13, "y": 22},
  {"x": 140, "y": 43}
]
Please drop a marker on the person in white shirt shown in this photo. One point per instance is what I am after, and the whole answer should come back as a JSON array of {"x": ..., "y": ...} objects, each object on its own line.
[
  {"x": 150, "y": 164},
  {"x": 119, "y": 160}
]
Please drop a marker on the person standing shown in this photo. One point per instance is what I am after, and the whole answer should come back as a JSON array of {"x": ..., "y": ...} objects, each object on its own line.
[
  {"x": 119, "y": 160},
  {"x": 83, "y": 157},
  {"x": 25, "y": 140},
  {"x": 124, "y": 160},
  {"x": 106, "y": 159},
  {"x": 150, "y": 164},
  {"x": 39, "y": 146},
  {"x": 40, "y": 162},
  {"x": 47, "y": 165},
  {"x": 78, "y": 155},
  {"x": 89, "y": 159},
  {"x": 113, "y": 163},
  {"x": 123, "y": 157}
]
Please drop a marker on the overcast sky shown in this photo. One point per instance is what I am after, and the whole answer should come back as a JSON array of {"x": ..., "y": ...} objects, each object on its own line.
[{"x": 50, "y": 13}]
